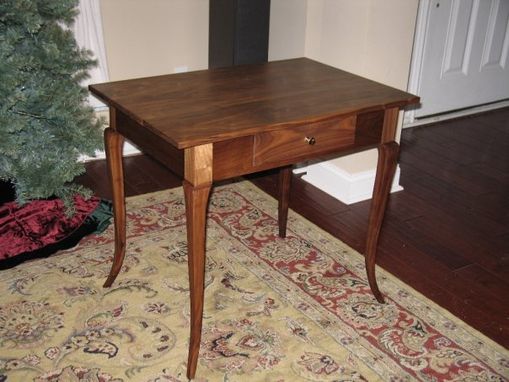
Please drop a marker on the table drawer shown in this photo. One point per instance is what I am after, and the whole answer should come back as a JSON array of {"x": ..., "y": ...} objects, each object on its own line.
[{"x": 303, "y": 142}]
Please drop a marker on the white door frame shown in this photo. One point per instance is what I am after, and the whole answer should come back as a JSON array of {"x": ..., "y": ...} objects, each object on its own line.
[{"x": 414, "y": 80}]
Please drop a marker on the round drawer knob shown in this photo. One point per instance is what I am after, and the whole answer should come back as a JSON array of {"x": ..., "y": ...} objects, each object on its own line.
[{"x": 310, "y": 140}]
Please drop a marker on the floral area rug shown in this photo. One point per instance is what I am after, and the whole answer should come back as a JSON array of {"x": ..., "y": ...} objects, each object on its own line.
[{"x": 294, "y": 309}]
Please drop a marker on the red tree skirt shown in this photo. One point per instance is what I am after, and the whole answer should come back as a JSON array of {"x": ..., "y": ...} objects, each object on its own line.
[{"x": 40, "y": 224}]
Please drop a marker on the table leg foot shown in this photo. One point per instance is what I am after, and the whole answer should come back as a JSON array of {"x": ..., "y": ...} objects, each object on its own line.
[
  {"x": 113, "y": 143},
  {"x": 285, "y": 180},
  {"x": 196, "y": 205},
  {"x": 112, "y": 276},
  {"x": 387, "y": 160}
]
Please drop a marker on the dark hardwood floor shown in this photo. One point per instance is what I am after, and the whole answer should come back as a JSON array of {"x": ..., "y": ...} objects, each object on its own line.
[{"x": 446, "y": 234}]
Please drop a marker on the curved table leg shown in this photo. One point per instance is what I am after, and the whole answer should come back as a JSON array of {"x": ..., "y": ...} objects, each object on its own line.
[
  {"x": 113, "y": 143},
  {"x": 285, "y": 180},
  {"x": 196, "y": 206},
  {"x": 387, "y": 160},
  {"x": 197, "y": 185}
]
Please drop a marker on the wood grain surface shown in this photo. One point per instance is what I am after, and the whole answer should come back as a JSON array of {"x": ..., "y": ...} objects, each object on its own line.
[{"x": 190, "y": 109}]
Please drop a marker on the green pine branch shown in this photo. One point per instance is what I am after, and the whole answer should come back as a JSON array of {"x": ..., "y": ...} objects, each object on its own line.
[{"x": 45, "y": 121}]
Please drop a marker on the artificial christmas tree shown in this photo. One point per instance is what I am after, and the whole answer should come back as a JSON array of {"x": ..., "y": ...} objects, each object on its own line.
[{"x": 45, "y": 123}]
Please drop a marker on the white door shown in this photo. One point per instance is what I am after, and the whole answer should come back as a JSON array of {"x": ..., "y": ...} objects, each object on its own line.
[{"x": 465, "y": 61}]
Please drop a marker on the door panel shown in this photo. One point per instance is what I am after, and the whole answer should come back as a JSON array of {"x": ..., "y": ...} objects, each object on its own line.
[
  {"x": 497, "y": 39},
  {"x": 465, "y": 55}
]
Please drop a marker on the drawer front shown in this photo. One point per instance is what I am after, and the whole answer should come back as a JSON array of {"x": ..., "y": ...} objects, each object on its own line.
[{"x": 304, "y": 142}]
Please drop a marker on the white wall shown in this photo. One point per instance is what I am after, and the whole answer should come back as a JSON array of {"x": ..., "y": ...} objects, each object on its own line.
[
  {"x": 151, "y": 37},
  {"x": 371, "y": 38},
  {"x": 287, "y": 35}
]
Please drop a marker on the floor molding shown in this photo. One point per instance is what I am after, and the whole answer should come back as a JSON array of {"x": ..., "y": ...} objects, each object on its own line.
[
  {"x": 410, "y": 121},
  {"x": 344, "y": 186},
  {"x": 128, "y": 151}
]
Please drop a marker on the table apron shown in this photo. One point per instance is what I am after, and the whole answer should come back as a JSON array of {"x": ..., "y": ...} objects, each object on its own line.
[{"x": 267, "y": 150}]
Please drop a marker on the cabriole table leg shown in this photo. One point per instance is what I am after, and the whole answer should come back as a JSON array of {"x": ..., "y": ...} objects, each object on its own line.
[
  {"x": 197, "y": 185},
  {"x": 196, "y": 206},
  {"x": 113, "y": 143},
  {"x": 387, "y": 160}
]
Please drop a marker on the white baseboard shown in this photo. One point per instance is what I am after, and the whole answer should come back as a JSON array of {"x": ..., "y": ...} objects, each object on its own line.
[
  {"x": 346, "y": 187},
  {"x": 410, "y": 120},
  {"x": 128, "y": 150}
]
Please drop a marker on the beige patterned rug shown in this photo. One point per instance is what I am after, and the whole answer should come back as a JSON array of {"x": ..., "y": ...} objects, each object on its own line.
[{"x": 294, "y": 309}]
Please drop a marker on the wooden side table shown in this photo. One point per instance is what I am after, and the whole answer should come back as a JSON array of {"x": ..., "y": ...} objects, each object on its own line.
[{"x": 217, "y": 124}]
